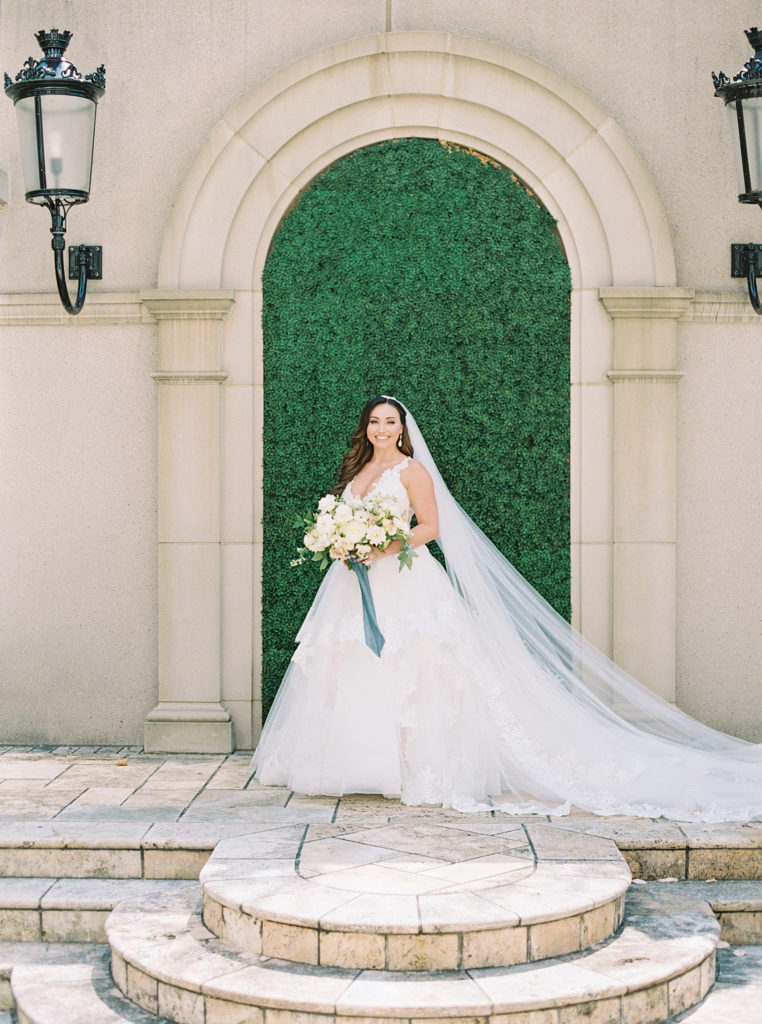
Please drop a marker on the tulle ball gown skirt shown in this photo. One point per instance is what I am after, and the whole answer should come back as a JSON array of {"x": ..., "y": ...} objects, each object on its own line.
[{"x": 412, "y": 723}]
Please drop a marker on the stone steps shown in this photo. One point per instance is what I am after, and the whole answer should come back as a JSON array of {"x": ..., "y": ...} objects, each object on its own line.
[
  {"x": 488, "y": 921},
  {"x": 167, "y": 961},
  {"x": 65, "y": 909},
  {"x": 434, "y": 897}
]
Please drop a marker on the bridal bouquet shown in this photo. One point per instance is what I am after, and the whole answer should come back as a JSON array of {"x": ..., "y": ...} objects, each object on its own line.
[{"x": 349, "y": 530}]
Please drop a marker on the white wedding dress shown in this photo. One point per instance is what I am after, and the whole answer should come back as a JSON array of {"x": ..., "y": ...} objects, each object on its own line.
[{"x": 469, "y": 706}]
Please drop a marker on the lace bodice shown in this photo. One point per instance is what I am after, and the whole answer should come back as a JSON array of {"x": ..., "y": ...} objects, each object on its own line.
[{"x": 388, "y": 485}]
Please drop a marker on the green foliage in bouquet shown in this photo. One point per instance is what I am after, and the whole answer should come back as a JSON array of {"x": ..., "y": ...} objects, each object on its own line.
[{"x": 419, "y": 269}]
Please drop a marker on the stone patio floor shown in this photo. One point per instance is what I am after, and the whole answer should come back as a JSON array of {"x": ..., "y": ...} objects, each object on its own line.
[{"x": 68, "y": 784}]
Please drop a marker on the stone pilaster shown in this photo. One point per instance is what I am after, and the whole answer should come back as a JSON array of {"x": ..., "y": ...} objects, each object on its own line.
[
  {"x": 644, "y": 377},
  {"x": 190, "y": 716}
]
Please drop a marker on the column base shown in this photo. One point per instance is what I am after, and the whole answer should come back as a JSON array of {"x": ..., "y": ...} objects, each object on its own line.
[{"x": 192, "y": 728}]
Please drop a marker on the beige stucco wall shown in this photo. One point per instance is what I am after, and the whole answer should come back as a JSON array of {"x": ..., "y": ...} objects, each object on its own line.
[
  {"x": 719, "y": 515},
  {"x": 78, "y": 522},
  {"x": 79, "y": 660}
]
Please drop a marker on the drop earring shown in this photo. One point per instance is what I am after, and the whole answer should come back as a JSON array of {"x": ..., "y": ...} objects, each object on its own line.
[{"x": 399, "y": 441}]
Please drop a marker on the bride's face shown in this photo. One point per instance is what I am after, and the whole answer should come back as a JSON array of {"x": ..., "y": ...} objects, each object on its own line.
[{"x": 384, "y": 427}]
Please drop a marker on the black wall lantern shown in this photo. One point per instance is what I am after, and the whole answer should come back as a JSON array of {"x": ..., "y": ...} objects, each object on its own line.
[
  {"x": 55, "y": 111},
  {"x": 743, "y": 102}
]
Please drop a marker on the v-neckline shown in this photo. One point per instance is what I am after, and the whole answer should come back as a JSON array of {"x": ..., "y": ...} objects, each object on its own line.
[{"x": 377, "y": 480}]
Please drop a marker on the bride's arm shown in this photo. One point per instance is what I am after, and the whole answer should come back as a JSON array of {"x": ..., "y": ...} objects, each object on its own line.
[{"x": 420, "y": 489}]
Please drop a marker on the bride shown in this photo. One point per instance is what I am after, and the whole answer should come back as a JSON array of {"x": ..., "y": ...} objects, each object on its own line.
[{"x": 483, "y": 696}]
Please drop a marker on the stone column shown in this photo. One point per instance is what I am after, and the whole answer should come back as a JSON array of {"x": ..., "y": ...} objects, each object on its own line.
[
  {"x": 644, "y": 479},
  {"x": 189, "y": 716}
]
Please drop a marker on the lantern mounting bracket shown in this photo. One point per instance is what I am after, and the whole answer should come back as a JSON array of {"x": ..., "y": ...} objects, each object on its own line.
[{"x": 746, "y": 261}]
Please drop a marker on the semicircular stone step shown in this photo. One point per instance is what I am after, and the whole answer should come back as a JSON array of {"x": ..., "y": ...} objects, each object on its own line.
[
  {"x": 74, "y": 993},
  {"x": 414, "y": 897},
  {"x": 165, "y": 960}
]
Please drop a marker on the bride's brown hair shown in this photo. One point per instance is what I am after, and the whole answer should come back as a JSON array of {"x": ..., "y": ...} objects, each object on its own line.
[{"x": 360, "y": 448}]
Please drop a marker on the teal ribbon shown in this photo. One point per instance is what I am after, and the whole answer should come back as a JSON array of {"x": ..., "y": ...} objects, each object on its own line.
[{"x": 374, "y": 638}]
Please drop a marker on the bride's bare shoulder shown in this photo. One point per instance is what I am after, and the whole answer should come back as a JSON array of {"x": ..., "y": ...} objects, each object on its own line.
[{"x": 414, "y": 471}]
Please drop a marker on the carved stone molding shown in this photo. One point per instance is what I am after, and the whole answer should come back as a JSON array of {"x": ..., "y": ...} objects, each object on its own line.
[
  {"x": 45, "y": 310},
  {"x": 671, "y": 376},
  {"x": 179, "y": 304},
  {"x": 721, "y": 308},
  {"x": 646, "y": 303},
  {"x": 199, "y": 377}
]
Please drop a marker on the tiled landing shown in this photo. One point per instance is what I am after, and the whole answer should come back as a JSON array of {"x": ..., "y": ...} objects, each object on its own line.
[{"x": 415, "y": 897}]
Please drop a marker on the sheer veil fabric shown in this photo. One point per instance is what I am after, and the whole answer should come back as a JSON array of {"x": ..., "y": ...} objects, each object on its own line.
[
  {"x": 610, "y": 744},
  {"x": 485, "y": 697}
]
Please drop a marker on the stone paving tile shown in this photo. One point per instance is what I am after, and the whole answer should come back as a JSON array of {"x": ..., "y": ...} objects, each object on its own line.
[
  {"x": 275, "y": 843},
  {"x": 30, "y": 769},
  {"x": 107, "y": 774},
  {"x": 146, "y": 814},
  {"x": 635, "y": 833},
  {"x": 22, "y": 785},
  {"x": 327, "y": 855},
  {"x": 102, "y": 796},
  {"x": 72, "y": 835},
  {"x": 24, "y": 893},
  {"x": 146, "y": 797},
  {"x": 239, "y": 798},
  {"x": 200, "y": 835},
  {"x": 41, "y": 805}
]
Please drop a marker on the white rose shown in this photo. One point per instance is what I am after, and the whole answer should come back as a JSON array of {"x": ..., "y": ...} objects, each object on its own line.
[
  {"x": 328, "y": 503},
  {"x": 342, "y": 514}
]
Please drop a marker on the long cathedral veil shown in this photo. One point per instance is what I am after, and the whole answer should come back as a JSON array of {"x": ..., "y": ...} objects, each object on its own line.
[{"x": 513, "y": 618}]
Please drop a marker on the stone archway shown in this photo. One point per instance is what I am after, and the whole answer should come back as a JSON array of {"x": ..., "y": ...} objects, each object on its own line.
[{"x": 624, "y": 311}]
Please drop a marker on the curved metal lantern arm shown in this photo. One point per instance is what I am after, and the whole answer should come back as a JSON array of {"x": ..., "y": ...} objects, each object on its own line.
[{"x": 84, "y": 261}]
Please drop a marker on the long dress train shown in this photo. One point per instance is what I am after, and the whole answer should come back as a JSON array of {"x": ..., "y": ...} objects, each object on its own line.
[{"x": 465, "y": 709}]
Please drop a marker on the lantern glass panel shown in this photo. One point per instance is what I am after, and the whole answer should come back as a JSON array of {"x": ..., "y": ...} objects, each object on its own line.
[
  {"x": 28, "y": 139},
  {"x": 68, "y": 129},
  {"x": 752, "y": 118}
]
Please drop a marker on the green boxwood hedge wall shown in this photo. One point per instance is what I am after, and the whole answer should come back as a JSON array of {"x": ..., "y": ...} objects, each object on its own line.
[{"x": 424, "y": 270}]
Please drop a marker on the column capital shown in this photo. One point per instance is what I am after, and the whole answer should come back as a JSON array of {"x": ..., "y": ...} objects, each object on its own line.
[
  {"x": 179, "y": 304},
  {"x": 641, "y": 303}
]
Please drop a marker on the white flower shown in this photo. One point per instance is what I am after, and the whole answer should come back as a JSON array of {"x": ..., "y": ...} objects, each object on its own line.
[
  {"x": 376, "y": 535},
  {"x": 354, "y": 532},
  {"x": 328, "y": 503},
  {"x": 313, "y": 542},
  {"x": 342, "y": 514}
]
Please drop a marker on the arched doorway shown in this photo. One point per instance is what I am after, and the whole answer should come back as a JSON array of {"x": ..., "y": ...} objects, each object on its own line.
[
  {"x": 624, "y": 308},
  {"x": 422, "y": 269}
]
